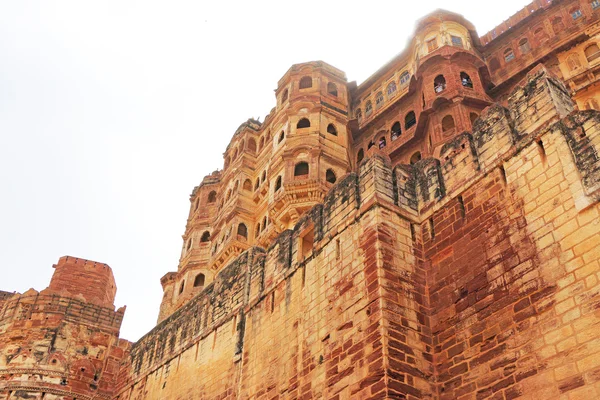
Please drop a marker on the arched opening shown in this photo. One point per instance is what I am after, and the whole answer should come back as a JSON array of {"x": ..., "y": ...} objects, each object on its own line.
[
  {"x": 592, "y": 52},
  {"x": 181, "y": 287},
  {"x": 396, "y": 130},
  {"x": 371, "y": 144},
  {"x": 494, "y": 65},
  {"x": 332, "y": 89},
  {"x": 264, "y": 176},
  {"x": 415, "y": 158},
  {"x": 360, "y": 156},
  {"x": 257, "y": 183},
  {"x": 284, "y": 96},
  {"x": 303, "y": 123},
  {"x": 404, "y": 78},
  {"x": 557, "y": 25},
  {"x": 301, "y": 169},
  {"x": 199, "y": 280},
  {"x": 331, "y": 129},
  {"x": 439, "y": 84},
  {"x": 278, "y": 183},
  {"x": 465, "y": 80},
  {"x": 509, "y": 55},
  {"x": 257, "y": 232},
  {"x": 368, "y": 108},
  {"x": 252, "y": 146},
  {"x": 189, "y": 245},
  {"x": 447, "y": 123},
  {"x": 358, "y": 114},
  {"x": 205, "y": 237},
  {"x": 524, "y": 46},
  {"x": 212, "y": 197},
  {"x": 281, "y": 137},
  {"x": 330, "y": 176},
  {"x": 575, "y": 13},
  {"x": 382, "y": 143},
  {"x": 264, "y": 224},
  {"x": 410, "y": 120},
  {"x": 573, "y": 62},
  {"x": 473, "y": 116},
  {"x": 305, "y": 82},
  {"x": 379, "y": 99},
  {"x": 247, "y": 185},
  {"x": 242, "y": 231},
  {"x": 391, "y": 89}
]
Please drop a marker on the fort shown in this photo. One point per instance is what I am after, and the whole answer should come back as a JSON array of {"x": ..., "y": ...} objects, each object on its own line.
[{"x": 432, "y": 233}]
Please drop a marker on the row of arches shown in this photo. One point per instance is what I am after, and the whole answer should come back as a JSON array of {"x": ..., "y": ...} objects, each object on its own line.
[
  {"x": 591, "y": 52},
  {"x": 391, "y": 91},
  {"x": 439, "y": 82},
  {"x": 199, "y": 282},
  {"x": 306, "y": 82}
]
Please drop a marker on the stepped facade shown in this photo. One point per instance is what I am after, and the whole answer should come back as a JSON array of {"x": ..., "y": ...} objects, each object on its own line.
[{"x": 432, "y": 233}]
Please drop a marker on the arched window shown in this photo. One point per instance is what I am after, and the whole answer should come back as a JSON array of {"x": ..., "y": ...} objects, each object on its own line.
[
  {"x": 404, "y": 78},
  {"x": 396, "y": 130},
  {"x": 264, "y": 224},
  {"x": 199, "y": 280},
  {"x": 391, "y": 89},
  {"x": 330, "y": 176},
  {"x": 509, "y": 55},
  {"x": 257, "y": 232},
  {"x": 465, "y": 80},
  {"x": 331, "y": 129},
  {"x": 181, "y": 287},
  {"x": 439, "y": 84},
  {"x": 284, "y": 96},
  {"x": 557, "y": 25},
  {"x": 360, "y": 156},
  {"x": 301, "y": 169},
  {"x": 281, "y": 137},
  {"x": 379, "y": 99},
  {"x": 447, "y": 123},
  {"x": 358, "y": 114},
  {"x": 247, "y": 184},
  {"x": 456, "y": 41},
  {"x": 415, "y": 158},
  {"x": 305, "y": 82},
  {"x": 189, "y": 245},
  {"x": 242, "y": 231},
  {"x": 592, "y": 52},
  {"x": 303, "y": 123},
  {"x": 332, "y": 89},
  {"x": 473, "y": 116},
  {"x": 205, "y": 237},
  {"x": 264, "y": 176},
  {"x": 278, "y": 183},
  {"x": 212, "y": 197},
  {"x": 368, "y": 108},
  {"x": 524, "y": 46},
  {"x": 410, "y": 120},
  {"x": 573, "y": 62},
  {"x": 494, "y": 65},
  {"x": 257, "y": 183},
  {"x": 575, "y": 13},
  {"x": 382, "y": 142},
  {"x": 371, "y": 144},
  {"x": 252, "y": 146},
  {"x": 432, "y": 44},
  {"x": 540, "y": 34}
]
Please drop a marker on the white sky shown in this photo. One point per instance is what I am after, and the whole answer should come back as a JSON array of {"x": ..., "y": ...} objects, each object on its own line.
[{"x": 112, "y": 111}]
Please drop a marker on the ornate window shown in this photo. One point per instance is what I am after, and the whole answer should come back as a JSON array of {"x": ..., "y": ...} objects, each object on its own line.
[
  {"x": 379, "y": 99},
  {"x": 242, "y": 231},
  {"x": 332, "y": 89},
  {"x": 331, "y": 129},
  {"x": 382, "y": 142},
  {"x": 456, "y": 41},
  {"x": 305, "y": 82},
  {"x": 212, "y": 197},
  {"x": 404, "y": 78},
  {"x": 432, "y": 44},
  {"x": 573, "y": 62},
  {"x": 524, "y": 46},
  {"x": 592, "y": 52},
  {"x": 330, "y": 176},
  {"x": 205, "y": 237},
  {"x": 447, "y": 123},
  {"x": 301, "y": 169},
  {"x": 368, "y": 108},
  {"x": 557, "y": 25},
  {"x": 358, "y": 114},
  {"x": 575, "y": 13},
  {"x": 199, "y": 280},
  {"x": 303, "y": 123},
  {"x": 509, "y": 55},
  {"x": 540, "y": 35},
  {"x": 396, "y": 130},
  {"x": 439, "y": 84},
  {"x": 410, "y": 120},
  {"x": 391, "y": 89},
  {"x": 465, "y": 80}
]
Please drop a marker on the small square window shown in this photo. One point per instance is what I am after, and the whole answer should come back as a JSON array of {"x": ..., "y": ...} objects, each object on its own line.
[
  {"x": 456, "y": 41},
  {"x": 432, "y": 44},
  {"x": 576, "y": 14}
]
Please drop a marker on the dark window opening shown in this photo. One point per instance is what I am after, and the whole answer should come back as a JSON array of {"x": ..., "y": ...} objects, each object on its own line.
[
  {"x": 331, "y": 129},
  {"x": 242, "y": 231},
  {"x": 382, "y": 142},
  {"x": 257, "y": 184},
  {"x": 371, "y": 144},
  {"x": 473, "y": 116},
  {"x": 303, "y": 123},
  {"x": 330, "y": 176},
  {"x": 465, "y": 80},
  {"x": 306, "y": 245},
  {"x": 281, "y": 137},
  {"x": 524, "y": 46},
  {"x": 181, "y": 287},
  {"x": 360, "y": 156},
  {"x": 415, "y": 158},
  {"x": 396, "y": 130},
  {"x": 199, "y": 280},
  {"x": 410, "y": 120},
  {"x": 247, "y": 185},
  {"x": 332, "y": 89},
  {"x": 205, "y": 237},
  {"x": 212, "y": 197},
  {"x": 447, "y": 123},
  {"x": 301, "y": 169},
  {"x": 278, "y": 183},
  {"x": 509, "y": 55},
  {"x": 305, "y": 82},
  {"x": 439, "y": 84},
  {"x": 431, "y": 229}
]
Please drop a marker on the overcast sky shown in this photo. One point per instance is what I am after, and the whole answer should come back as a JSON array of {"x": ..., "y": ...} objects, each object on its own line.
[{"x": 112, "y": 111}]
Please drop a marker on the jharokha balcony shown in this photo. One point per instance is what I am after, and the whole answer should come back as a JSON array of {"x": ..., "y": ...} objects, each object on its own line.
[{"x": 294, "y": 198}]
